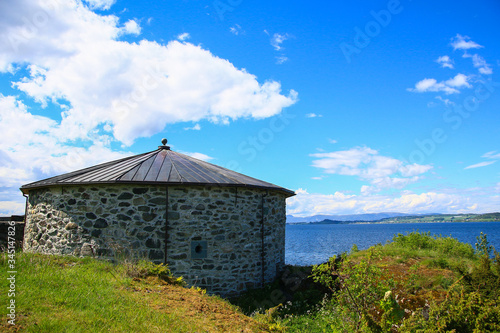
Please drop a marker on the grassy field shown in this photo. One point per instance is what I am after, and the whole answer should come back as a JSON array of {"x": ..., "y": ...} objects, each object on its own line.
[{"x": 67, "y": 294}]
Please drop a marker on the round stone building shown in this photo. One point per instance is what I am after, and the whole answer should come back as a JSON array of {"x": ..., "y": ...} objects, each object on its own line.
[{"x": 217, "y": 228}]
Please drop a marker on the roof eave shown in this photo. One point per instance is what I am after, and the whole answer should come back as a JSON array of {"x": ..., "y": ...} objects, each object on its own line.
[{"x": 26, "y": 188}]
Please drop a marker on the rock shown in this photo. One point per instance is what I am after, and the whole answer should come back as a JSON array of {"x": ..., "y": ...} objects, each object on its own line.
[
  {"x": 87, "y": 250},
  {"x": 100, "y": 223},
  {"x": 125, "y": 196},
  {"x": 71, "y": 226}
]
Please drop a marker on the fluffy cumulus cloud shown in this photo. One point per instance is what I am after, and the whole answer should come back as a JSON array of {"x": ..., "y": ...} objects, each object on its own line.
[
  {"x": 460, "y": 42},
  {"x": 381, "y": 172},
  {"x": 72, "y": 60},
  {"x": 141, "y": 86},
  {"x": 445, "y": 62},
  {"x": 131, "y": 27},
  {"x": 309, "y": 204},
  {"x": 184, "y": 36},
  {"x": 450, "y": 86}
]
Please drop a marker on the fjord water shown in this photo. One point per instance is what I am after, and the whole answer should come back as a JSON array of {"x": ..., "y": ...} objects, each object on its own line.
[{"x": 311, "y": 244}]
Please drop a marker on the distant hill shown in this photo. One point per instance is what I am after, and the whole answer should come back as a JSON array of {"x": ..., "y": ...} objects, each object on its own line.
[
  {"x": 344, "y": 218},
  {"x": 444, "y": 218},
  {"x": 394, "y": 218}
]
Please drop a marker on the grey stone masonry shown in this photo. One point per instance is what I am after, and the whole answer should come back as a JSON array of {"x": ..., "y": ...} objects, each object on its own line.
[{"x": 224, "y": 239}]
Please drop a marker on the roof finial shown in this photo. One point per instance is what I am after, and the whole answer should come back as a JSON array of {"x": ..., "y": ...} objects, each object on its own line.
[{"x": 164, "y": 142}]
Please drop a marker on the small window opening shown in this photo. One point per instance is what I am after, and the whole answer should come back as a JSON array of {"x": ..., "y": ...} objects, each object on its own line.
[{"x": 199, "y": 249}]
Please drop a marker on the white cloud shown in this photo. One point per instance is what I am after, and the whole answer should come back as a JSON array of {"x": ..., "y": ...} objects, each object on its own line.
[
  {"x": 308, "y": 204},
  {"x": 464, "y": 43},
  {"x": 281, "y": 59},
  {"x": 446, "y": 101},
  {"x": 478, "y": 165},
  {"x": 432, "y": 85},
  {"x": 381, "y": 172},
  {"x": 100, "y": 4},
  {"x": 445, "y": 62},
  {"x": 236, "y": 29},
  {"x": 8, "y": 208},
  {"x": 459, "y": 81},
  {"x": 450, "y": 86},
  {"x": 196, "y": 127},
  {"x": 199, "y": 156},
  {"x": 184, "y": 36},
  {"x": 278, "y": 39},
  {"x": 332, "y": 141},
  {"x": 131, "y": 27},
  {"x": 460, "y": 42},
  {"x": 491, "y": 155},
  {"x": 142, "y": 86},
  {"x": 313, "y": 115},
  {"x": 481, "y": 64}
]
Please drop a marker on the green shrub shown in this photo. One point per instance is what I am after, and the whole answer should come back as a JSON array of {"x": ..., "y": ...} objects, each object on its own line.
[
  {"x": 362, "y": 298},
  {"x": 424, "y": 241},
  {"x": 460, "y": 312},
  {"x": 485, "y": 276}
]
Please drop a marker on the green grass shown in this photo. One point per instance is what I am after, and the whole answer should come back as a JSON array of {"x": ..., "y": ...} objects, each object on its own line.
[{"x": 67, "y": 294}]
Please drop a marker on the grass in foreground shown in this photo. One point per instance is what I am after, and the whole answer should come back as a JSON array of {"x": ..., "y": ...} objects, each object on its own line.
[{"x": 67, "y": 294}]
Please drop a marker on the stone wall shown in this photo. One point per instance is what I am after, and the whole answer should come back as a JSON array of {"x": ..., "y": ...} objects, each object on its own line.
[{"x": 215, "y": 237}]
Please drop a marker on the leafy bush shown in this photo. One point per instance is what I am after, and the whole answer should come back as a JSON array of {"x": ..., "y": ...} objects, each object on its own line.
[
  {"x": 363, "y": 299},
  {"x": 460, "y": 312},
  {"x": 424, "y": 241},
  {"x": 485, "y": 277}
]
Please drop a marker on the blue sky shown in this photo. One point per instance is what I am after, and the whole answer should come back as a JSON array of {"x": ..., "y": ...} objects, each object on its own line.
[{"x": 359, "y": 107}]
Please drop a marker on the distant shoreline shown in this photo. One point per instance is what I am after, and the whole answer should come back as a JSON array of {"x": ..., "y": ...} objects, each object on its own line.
[{"x": 435, "y": 218}]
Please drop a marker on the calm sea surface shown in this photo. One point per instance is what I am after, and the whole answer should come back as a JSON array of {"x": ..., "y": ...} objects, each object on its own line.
[{"x": 314, "y": 244}]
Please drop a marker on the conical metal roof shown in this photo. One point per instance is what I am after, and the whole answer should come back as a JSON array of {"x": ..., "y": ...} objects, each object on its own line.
[{"x": 162, "y": 166}]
